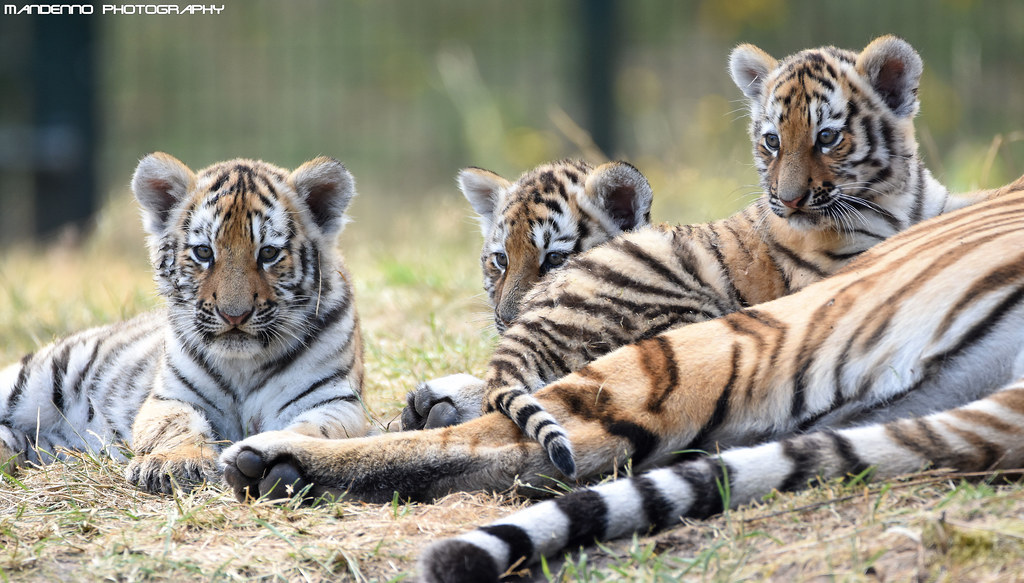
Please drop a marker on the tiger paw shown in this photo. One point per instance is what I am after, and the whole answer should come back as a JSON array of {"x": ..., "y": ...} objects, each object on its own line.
[
  {"x": 442, "y": 402},
  {"x": 260, "y": 467},
  {"x": 164, "y": 472}
]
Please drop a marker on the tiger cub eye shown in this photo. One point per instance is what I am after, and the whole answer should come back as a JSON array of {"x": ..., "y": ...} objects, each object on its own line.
[
  {"x": 555, "y": 258},
  {"x": 202, "y": 253},
  {"x": 827, "y": 137},
  {"x": 269, "y": 253},
  {"x": 500, "y": 260}
]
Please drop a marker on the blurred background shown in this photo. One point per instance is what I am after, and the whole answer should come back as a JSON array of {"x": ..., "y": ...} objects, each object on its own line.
[{"x": 407, "y": 92}]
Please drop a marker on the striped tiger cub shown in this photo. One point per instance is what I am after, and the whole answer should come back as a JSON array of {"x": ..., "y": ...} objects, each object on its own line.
[
  {"x": 259, "y": 331},
  {"x": 531, "y": 227},
  {"x": 912, "y": 355},
  {"x": 833, "y": 140}
]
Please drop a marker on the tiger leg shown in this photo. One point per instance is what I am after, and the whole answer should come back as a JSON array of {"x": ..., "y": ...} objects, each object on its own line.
[
  {"x": 33, "y": 429},
  {"x": 597, "y": 406},
  {"x": 982, "y": 436},
  {"x": 173, "y": 447},
  {"x": 486, "y": 453}
]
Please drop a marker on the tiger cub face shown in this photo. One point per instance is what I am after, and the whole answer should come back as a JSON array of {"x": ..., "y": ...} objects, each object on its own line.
[
  {"x": 556, "y": 210},
  {"x": 237, "y": 248},
  {"x": 832, "y": 129}
]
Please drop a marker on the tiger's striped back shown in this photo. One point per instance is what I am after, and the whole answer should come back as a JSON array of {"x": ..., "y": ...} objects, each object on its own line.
[
  {"x": 550, "y": 213},
  {"x": 259, "y": 331},
  {"x": 834, "y": 145}
]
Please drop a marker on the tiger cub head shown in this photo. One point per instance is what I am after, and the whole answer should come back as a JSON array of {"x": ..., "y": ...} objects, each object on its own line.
[
  {"x": 533, "y": 225},
  {"x": 832, "y": 129},
  {"x": 243, "y": 250}
]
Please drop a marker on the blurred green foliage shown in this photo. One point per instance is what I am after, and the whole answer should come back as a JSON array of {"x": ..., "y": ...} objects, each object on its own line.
[{"x": 406, "y": 93}]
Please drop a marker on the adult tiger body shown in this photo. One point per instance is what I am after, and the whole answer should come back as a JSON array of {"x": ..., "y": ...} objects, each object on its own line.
[
  {"x": 833, "y": 138},
  {"x": 259, "y": 332},
  {"x": 911, "y": 355}
]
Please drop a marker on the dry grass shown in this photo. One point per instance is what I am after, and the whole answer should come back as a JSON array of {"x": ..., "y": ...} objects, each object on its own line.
[
  {"x": 419, "y": 299},
  {"x": 79, "y": 521},
  {"x": 931, "y": 527}
]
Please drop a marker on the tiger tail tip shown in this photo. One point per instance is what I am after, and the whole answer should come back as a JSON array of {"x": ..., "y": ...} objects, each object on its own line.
[{"x": 560, "y": 454}]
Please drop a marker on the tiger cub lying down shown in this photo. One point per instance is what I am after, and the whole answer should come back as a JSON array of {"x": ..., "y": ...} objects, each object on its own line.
[
  {"x": 531, "y": 227},
  {"x": 259, "y": 332},
  {"x": 833, "y": 141}
]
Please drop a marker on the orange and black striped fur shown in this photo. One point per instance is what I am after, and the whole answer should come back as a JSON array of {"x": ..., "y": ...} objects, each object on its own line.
[
  {"x": 912, "y": 355},
  {"x": 259, "y": 331},
  {"x": 530, "y": 228},
  {"x": 834, "y": 144}
]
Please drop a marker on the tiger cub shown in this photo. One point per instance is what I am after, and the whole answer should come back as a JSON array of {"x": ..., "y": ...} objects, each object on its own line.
[
  {"x": 259, "y": 331},
  {"x": 530, "y": 227},
  {"x": 834, "y": 146}
]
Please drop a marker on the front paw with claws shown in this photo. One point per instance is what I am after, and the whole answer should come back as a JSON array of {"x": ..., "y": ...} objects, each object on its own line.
[{"x": 166, "y": 472}]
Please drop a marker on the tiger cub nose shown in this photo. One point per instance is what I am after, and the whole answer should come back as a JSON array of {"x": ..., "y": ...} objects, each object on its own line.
[
  {"x": 795, "y": 202},
  {"x": 234, "y": 319}
]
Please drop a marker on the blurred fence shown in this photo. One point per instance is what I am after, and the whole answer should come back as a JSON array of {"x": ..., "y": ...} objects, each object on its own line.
[{"x": 407, "y": 92}]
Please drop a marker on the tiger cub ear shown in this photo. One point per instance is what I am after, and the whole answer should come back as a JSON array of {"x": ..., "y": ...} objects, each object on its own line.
[
  {"x": 327, "y": 188},
  {"x": 622, "y": 193},
  {"x": 749, "y": 67},
  {"x": 894, "y": 70},
  {"x": 160, "y": 182},
  {"x": 482, "y": 188}
]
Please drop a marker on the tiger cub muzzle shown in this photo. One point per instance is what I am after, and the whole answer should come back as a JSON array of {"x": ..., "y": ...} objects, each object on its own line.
[{"x": 235, "y": 297}]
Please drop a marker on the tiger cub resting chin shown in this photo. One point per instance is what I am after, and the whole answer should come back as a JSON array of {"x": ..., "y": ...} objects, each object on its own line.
[
  {"x": 834, "y": 146},
  {"x": 531, "y": 227},
  {"x": 259, "y": 331}
]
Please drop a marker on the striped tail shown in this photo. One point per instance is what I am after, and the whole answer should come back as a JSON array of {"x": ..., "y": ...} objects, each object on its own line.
[
  {"x": 656, "y": 499},
  {"x": 537, "y": 424},
  {"x": 980, "y": 436}
]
